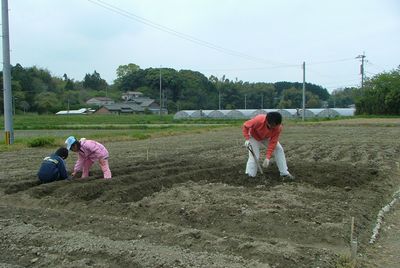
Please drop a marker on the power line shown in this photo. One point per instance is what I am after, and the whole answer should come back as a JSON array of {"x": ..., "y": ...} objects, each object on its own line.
[
  {"x": 342, "y": 85},
  {"x": 370, "y": 73},
  {"x": 326, "y": 75},
  {"x": 207, "y": 44},
  {"x": 282, "y": 66},
  {"x": 252, "y": 68},
  {"x": 344, "y": 81},
  {"x": 184, "y": 36},
  {"x": 330, "y": 61},
  {"x": 375, "y": 65}
]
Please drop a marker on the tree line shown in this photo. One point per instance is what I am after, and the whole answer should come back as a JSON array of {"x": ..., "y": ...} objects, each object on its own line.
[{"x": 36, "y": 90}]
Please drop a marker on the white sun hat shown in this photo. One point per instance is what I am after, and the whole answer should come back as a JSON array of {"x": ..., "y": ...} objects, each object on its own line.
[{"x": 69, "y": 141}]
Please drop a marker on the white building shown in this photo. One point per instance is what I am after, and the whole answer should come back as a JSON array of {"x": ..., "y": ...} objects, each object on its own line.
[{"x": 82, "y": 111}]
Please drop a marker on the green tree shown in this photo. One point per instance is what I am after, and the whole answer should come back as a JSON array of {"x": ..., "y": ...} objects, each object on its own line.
[
  {"x": 381, "y": 94},
  {"x": 342, "y": 98},
  {"x": 313, "y": 101},
  {"x": 197, "y": 91},
  {"x": 256, "y": 93},
  {"x": 24, "y": 106},
  {"x": 47, "y": 102},
  {"x": 28, "y": 82},
  {"x": 321, "y": 92},
  {"x": 94, "y": 81},
  {"x": 68, "y": 83},
  {"x": 293, "y": 98},
  {"x": 124, "y": 70},
  {"x": 129, "y": 77}
]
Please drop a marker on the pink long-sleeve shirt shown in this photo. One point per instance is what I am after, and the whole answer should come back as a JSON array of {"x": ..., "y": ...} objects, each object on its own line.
[
  {"x": 257, "y": 128},
  {"x": 90, "y": 150}
]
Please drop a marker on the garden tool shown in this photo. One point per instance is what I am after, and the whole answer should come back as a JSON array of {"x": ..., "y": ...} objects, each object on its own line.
[{"x": 250, "y": 148}]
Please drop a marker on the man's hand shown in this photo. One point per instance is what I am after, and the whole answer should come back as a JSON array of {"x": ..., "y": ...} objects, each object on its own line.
[
  {"x": 265, "y": 163},
  {"x": 247, "y": 143}
]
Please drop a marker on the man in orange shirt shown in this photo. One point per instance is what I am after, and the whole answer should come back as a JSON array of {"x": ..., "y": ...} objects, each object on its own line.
[{"x": 265, "y": 129}]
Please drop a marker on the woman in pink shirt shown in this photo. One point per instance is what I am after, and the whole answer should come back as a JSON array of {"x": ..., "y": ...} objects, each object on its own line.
[
  {"x": 265, "y": 129},
  {"x": 89, "y": 151}
]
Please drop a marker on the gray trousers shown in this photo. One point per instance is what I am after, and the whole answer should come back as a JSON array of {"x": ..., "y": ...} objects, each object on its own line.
[{"x": 278, "y": 154}]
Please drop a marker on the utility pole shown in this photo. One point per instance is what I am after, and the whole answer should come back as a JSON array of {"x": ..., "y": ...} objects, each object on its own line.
[
  {"x": 334, "y": 101},
  {"x": 219, "y": 99},
  {"x": 165, "y": 100},
  {"x": 160, "y": 93},
  {"x": 362, "y": 68},
  {"x": 262, "y": 101},
  {"x": 304, "y": 90},
  {"x": 245, "y": 101},
  {"x": 7, "y": 93},
  {"x": 14, "y": 100}
]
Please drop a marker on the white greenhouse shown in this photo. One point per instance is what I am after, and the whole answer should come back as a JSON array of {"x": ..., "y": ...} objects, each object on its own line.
[
  {"x": 345, "y": 111},
  {"x": 317, "y": 112},
  {"x": 257, "y": 112},
  {"x": 263, "y": 111},
  {"x": 328, "y": 113},
  {"x": 307, "y": 113},
  {"x": 183, "y": 114},
  {"x": 249, "y": 113},
  {"x": 235, "y": 114},
  {"x": 201, "y": 113},
  {"x": 216, "y": 114},
  {"x": 288, "y": 113}
]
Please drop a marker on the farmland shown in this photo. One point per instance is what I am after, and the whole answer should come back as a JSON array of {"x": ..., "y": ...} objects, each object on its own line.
[{"x": 183, "y": 200}]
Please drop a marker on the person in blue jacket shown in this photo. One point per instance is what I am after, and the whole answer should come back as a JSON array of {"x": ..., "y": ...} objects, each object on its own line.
[{"x": 53, "y": 167}]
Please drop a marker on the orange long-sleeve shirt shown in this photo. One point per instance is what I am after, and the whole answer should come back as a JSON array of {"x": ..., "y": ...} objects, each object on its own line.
[{"x": 257, "y": 128}]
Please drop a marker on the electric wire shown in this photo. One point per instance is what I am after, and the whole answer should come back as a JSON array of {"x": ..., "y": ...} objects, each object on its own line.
[
  {"x": 370, "y": 73},
  {"x": 218, "y": 48},
  {"x": 184, "y": 36},
  {"x": 375, "y": 66},
  {"x": 251, "y": 68},
  {"x": 326, "y": 75},
  {"x": 330, "y": 61}
]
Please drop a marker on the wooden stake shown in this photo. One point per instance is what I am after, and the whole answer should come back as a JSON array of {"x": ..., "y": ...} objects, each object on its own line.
[
  {"x": 353, "y": 241},
  {"x": 352, "y": 229}
]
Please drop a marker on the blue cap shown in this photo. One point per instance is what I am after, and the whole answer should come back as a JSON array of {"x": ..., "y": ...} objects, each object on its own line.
[{"x": 69, "y": 141}]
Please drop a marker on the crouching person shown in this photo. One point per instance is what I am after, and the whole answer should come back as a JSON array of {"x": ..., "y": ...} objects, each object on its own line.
[
  {"x": 53, "y": 167},
  {"x": 265, "y": 129},
  {"x": 88, "y": 151}
]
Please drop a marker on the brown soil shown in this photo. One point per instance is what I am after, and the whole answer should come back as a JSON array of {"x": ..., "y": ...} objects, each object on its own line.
[{"x": 190, "y": 204}]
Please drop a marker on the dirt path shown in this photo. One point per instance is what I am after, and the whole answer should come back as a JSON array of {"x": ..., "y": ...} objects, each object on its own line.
[
  {"x": 385, "y": 252},
  {"x": 184, "y": 202}
]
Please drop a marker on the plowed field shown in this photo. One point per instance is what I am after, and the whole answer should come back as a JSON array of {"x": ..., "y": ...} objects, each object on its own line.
[{"x": 184, "y": 201}]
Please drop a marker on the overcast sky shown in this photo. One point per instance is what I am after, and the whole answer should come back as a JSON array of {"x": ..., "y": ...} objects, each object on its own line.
[{"x": 253, "y": 40}]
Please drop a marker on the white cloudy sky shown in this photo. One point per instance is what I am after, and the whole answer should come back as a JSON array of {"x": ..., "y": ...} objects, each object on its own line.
[{"x": 253, "y": 40}]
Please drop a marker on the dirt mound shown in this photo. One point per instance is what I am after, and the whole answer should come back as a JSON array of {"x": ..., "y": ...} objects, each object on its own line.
[{"x": 186, "y": 202}]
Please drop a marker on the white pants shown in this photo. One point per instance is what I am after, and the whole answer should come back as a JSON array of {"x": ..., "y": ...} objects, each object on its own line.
[{"x": 278, "y": 153}]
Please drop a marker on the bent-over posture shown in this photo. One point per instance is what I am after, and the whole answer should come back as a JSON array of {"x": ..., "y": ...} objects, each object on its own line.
[
  {"x": 53, "y": 167},
  {"x": 88, "y": 151},
  {"x": 265, "y": 130}
]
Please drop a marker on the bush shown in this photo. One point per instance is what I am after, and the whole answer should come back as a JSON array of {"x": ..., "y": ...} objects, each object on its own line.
[
  {"x": 41, "y": 142},
  {"x": 140, "y": 136},
  {"x": 346, "y": 262}
]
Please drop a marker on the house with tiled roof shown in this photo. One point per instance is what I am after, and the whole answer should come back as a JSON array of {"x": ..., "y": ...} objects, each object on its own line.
[
  {"x": 135, "y": 103},
  {"x": 99, "y": 101}
]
